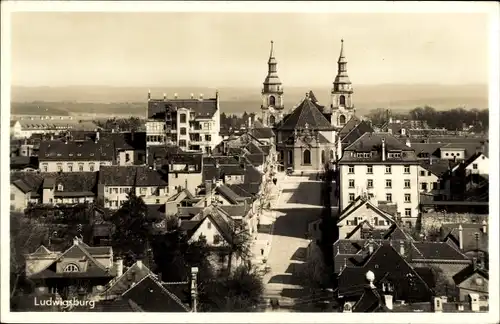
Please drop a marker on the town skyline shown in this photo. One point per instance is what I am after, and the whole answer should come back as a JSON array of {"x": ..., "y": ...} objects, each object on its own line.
[{"x": 122, "y": 49}]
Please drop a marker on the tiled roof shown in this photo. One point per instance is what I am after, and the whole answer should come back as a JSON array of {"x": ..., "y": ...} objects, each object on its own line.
[
  {"x": 469, "y": 231},
  {"x": 140, "y": 176},
  {"x": 305, "y": 115},
  {"x": 372, "y": 143},
  {"x": 28, "y": 180},
  {"x": 151, "y": 296},
  {"x": 227, "y": 193},
  {"x": 262, "y": 132},
  {"x": 244, "y": 190},
  {"x": 72, "y": 182},
  {"x": 438, "y": 167},
  {"x": 205, "y": 108},
  {"x": 56, "y": 124},
  {"x": 239, "y": 210},
  {"x": 119, "y": 285},
  {"x": 21, "y": 162},
  {"x": 59, "y": 150},
  {"x": 362, "y": 128},
  {"x": 438, "y": 251},
  {"x": 349, "y": 126},
  {"x": 426, "y": 148},
  {"x": 467, "y": 272},
  {"x": 126, "y": 140}
]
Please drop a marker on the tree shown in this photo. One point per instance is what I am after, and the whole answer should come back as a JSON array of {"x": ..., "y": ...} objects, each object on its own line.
[
  {"x": 442, "y": 285},
  {"x": 131, "y": 229},
  {"x": 378, "y": 116},
  {"x": 239, "y": 246}
]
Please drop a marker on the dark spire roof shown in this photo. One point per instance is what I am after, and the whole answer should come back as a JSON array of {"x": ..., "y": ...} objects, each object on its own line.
[
  {"x": 305, "y": 115},
  {"x": 272, "y": 72}
]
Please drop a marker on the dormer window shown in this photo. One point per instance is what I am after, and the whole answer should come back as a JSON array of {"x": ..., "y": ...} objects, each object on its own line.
[
  {"x": 71, "y": 268},
  {"x": 58, "y": 154},
  {"x": 70, "y": 154},
  {"x": 91, "y": 154},
  {"x": 60, "y": 187},
  {"x": 79, "y": 154}
]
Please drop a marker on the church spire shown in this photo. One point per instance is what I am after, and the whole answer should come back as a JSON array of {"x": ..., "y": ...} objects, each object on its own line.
[
  {"x": 271, "y": 54},
  {"x": 342, "y": 78},
  {"x": 272, "y": 80}
]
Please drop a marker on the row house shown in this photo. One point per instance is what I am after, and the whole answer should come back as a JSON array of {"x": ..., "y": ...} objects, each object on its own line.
[
  {"x": 379, "y": 166},
  {"x": 116, "y": 182},
  {"x": 466, "y": 177},
  {"x": 75, "y": 156},
  {"x": 193, "y": 124},
  {"x": 52, "y": 188},
  {"x": 26, "y": 128}
]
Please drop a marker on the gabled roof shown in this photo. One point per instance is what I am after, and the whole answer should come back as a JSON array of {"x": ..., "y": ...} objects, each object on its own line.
[
  {"x": 130, "y": 176},
  {"x": 152, "y": 296},
  {"x": 59, "y": 150},
  {"x": 349, "y": 126},
  {"x": 450, "y": 233},
  {"x": 467, "y": 272},
  {"x": 219, "y": 218},
  {"x": 26, "y": 181},
  {"x": 438, "y": 251},
  {"x": 227, "y": 193},
  {"x": 469, "y": 161},
  {"x": 438, "y": 167},
  {"x": 305, "y": 115},
  {"x": 119, "y": 285},
  {"x": 363, "y": 202},
  {"x": 362, "y": 128}
]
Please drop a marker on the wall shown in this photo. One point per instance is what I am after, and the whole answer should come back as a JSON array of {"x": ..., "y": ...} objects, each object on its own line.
[
  {"x": 483, "y": 165},
  {"x": 52, "y": 165},
  {"x": 18, "y": 199},
  {"x": 449, "y": 154},
  {"x": 379, "y": 189},
  {"x": 72, "y": 200},
  {"x": 179, "y": 179},
  {"x": 35, "y": 265},
  {"x": 48, "y": 196},
  {"x": 114, "y": 198},
  {"x": 470, "y": 286},
  {"x": 427, "y": 177},
  {"x": 434, "y": 220},
  {"x": 366, "y": 214},
  {"x": 298, "y": 165},
  {"x": 209, "y": 230},
  {"x": 122, "y": 157},
  {"x": 449, "y": 269}
]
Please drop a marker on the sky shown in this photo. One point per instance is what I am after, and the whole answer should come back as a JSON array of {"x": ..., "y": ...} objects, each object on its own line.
[{"x": 231, "y": 49}]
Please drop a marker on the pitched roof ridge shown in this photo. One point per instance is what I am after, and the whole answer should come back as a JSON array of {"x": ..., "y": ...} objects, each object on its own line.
[{"x": 359, "y": 139}]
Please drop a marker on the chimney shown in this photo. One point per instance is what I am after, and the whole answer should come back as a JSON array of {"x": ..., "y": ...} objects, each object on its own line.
[
  {"x": 76, "y": 240},
  {"x": 485, "y": 227},
  {"x": 390, "y": 120},
  {"x": 460, "y": 237},
  {"x": 164, "y": 96},
  {"x": 388, "y": 301},
  {"x": 97, "y": 136},
  {"x": 402, "y": 248},
  {"x": 185, "y": 183},
  {"x": 175, "y": 95},
  {"x": 474, "y": 262},
  {"x": 307, "y": 95},
  {"x": 194, "y": 289},
  {"x": 192, "y": 95},
  {"x": 430, "y": 159},
  {"x": 154, "y": 165},
  {"x": 370, "y": 248},
  {"x": 383, "y": 149},
  {"x": 149, "y": 95},
  {"x": 119, "y": 267},
  {"x": 208, "y": 192},
  {"x": 408, "y": 143},
  {"x": 249, "y": 122},
  {"x": 201, "y": 96},
  {"x": 139, "y": 264}
]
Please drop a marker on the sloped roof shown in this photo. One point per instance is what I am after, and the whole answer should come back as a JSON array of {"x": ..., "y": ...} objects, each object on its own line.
[
  {"x": 438, "y": 167},
  {"x": 349, "y": 126},
  {"x": 364, "y": 202},
  {"x": 467, "y": 272},
  {"x": 305, "y": 115},
  {"x": 360, "y": 129},
  {"x": 469, "y": 231},
  {"x": 151, "y": 296},
  {"x": 438, "y": 251},
  {"x": 59, "y": 150},
  {"x": 130, "y": 176},
  {"x": 204, "y": 108},
  {"x": 119, "y": 285},
  {"x": 227, "y": 193}
]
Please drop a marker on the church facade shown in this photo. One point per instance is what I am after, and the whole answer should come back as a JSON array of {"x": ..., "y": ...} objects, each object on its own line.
[{"x": 306, "y": 136}]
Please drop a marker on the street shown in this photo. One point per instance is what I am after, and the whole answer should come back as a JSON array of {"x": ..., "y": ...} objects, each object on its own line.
[{"x": 298, "y": 204}]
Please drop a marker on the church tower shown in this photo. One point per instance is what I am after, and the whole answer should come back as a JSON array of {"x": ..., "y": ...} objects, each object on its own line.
[
  {"x": 342, "y": 108},
  {"x": 272, "y": 94}
]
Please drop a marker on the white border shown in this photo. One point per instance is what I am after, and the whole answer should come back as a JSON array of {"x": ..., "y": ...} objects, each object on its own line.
[{"x": 372, "y": 7}]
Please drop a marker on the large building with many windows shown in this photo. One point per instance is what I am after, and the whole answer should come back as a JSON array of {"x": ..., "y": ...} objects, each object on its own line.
[
  {"x": 380, "y": 167},
  {"x": 193, "y": 124}
]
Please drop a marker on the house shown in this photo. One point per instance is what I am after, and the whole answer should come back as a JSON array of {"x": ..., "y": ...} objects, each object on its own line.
[
  {"x": 379, "y": 165},
  {"x": 25, "y": 128},
  {"x": 467, "y": 176},
  {"x": 473, "y": 280},
  {"x": 130, "y": 147},
  {"x": 193, "y": 124},
  {"x": 261, "y": 133},
  {"x": 392, "y": 273},
  {"x": 430, "y": 175},
  {"x": 230, "y": 170},
  {"x": 115, "y": 182},
  {"x": 24, "y": 188},
  {"x": 80, "y": 270},
  {"x": 75, "y": 156},
  {"x": 353, "y": 130},
  {"x": 24, "y": 163}
]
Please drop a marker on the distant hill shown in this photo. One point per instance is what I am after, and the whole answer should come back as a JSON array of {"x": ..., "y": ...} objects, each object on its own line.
[{"x": 132, "y": 100}]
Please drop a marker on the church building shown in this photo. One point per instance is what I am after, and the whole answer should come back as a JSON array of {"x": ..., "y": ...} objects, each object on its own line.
[{"x": 306, "y": 136}]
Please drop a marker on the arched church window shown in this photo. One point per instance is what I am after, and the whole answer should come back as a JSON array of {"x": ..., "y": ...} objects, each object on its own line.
[
  {"x": 342, "y": 100},
  {"x": 307, "y": 157},
  {"x": 272, "y": 120},
  {"x": 342, "y": 119},
  {"x": 272, "y": 101},
  {"x": 323, "y": 157}
]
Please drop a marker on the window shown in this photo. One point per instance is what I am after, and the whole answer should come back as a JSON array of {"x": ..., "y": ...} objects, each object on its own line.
[
  {"x": 217, "y": 239},
  {"x": 407, "y": 198},
  {"x": 70, "y": 167},
  {"x": 182, "y": 118},
  {"x": 408, "y": 212},
  {"x": 272, "y": 120},
  {"x": 307, "y": 157},
  {"x": 182, "y": 143},
  {"x": 80, "y": 167},
  {"x": 388, "y": 197},
  {"x": 127, "y": 157},
  {"x": 115, "y": 190},
  {"x": 342, "y": 101},
  {"x": 434, "y": 186},
  {"x": 351, "y": 197},
  {"x": 59, "y": 167},
  {"x": 71, "y": 268},
  {"x": 323, "y": 157},
  {"x": 407, "y": 183},
  {"x": 422, "y": 173},
  {"x": 91, "y": 167},
  {"x": 369, "y": 169},
  {"x": 351, "y": 169},
  {"x": 44, "y": 167},
  {"x": 407, "y": 169},
  {"x": 474, "y": 166},
  {"x": 370, "y": 195},
  {"x": 423, "y": 186},
  {"x": 388, "y": 169},
  {"x": 272, "y": 101},
  {"x": 209, "y": 225},
  {"x": 447, "y": 154},
  {"x": 143, "y": 191},
  {"x": 388, "y": 183},
  {"x": 342, "y": 119},
  {"x": 370, "y": 183},
  {"x": 351, "y": 183},
  {"x": 60, "y": 187},
  {"x": 12, "y": 196},
  {"x": 183, "y": 130},
  {"x": 208, "y": 138}
]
